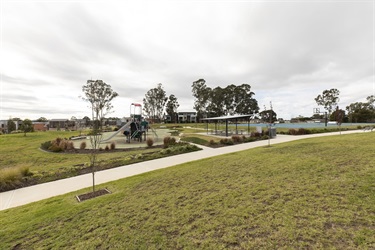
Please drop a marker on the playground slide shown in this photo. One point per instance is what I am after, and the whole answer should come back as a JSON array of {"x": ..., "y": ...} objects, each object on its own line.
[{"x": 118, "y": 131}]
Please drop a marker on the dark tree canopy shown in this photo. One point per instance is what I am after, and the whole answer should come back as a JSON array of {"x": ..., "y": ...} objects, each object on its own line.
[
  {"x": 362, "y": 111},
  {"x": 268, "y": 116},
  {"x": 171, "y": 107},
  {"x": 220, "y": 101},
  {"x": 11, "y": 125}
]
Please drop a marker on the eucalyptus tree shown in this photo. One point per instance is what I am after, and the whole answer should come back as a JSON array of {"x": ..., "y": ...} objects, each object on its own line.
[
  {"x": 154, "y": 102},
  {"x": 100, "y": 95},
  {"x": 328, "y": 99},
  {"x": 202, "y": 96}
]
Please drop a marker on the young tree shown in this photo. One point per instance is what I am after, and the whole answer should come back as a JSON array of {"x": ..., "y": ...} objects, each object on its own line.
[
  {"x": 27, "y": 126},
  {"x": 11, "y": 125},
  {"x": 328, "y": 99},
  {"x": 99, "y": 95},
  {"x": 202, "y": 96},
  {"x": 154, "y": 102},
  {"x": 172, "y": 106}
]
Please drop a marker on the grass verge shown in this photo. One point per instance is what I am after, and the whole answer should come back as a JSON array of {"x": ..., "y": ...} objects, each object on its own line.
[{"x": 313, "y": 193}]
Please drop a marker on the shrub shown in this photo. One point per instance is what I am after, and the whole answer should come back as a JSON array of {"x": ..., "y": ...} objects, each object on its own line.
[
  {"x": 113, "y": 146},
  {"x": 106, "y": 148},
  {"x": 237, "y": 139},
  {"x": 292, "y": 131},
  {"x": 301, "y": 131},
  {"x": 12, "y": 177},
  {"x": 168, "y": 141},
  {"x": 82, "y": 145},
  {"x": 150, "y": 142},
  {"x": 226, "y": 141},
  {"x": 212, "y": 142},
  {"x": 255, "y": 134},
  {"x": 70, "y": 145},
  {"x": 46, "y": 145}
]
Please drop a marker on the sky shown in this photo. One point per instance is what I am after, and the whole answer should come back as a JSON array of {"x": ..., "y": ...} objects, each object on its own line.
[{"x": 288, "y": 51}]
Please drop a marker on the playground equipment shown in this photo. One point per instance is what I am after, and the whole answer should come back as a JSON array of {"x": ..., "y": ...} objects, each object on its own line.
[{"x": 136, "y": 128}]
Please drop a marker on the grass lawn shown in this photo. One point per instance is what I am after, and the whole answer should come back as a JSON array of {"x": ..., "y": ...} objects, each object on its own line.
[{"x": 313, "y": 193}]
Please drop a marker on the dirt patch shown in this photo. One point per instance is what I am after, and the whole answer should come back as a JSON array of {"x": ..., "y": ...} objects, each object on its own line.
[{"x": 91, "y": 195}]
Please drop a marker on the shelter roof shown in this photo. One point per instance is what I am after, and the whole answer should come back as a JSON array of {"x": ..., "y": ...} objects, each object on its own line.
[{"x": 227, "y": 117}]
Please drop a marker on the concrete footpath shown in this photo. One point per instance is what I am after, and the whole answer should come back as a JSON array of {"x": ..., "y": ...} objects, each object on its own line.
[{"x": 39, "y": 192}]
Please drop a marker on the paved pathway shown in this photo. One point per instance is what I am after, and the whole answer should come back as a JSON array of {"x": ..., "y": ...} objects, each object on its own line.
[{"x": 30, "y": 194}]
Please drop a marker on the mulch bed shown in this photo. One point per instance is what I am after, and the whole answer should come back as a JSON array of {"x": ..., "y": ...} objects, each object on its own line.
[{"x": 91, "y": 195}]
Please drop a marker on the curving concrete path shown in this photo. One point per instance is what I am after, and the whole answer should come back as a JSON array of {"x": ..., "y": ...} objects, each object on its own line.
[{"x": 39, "y": 192}]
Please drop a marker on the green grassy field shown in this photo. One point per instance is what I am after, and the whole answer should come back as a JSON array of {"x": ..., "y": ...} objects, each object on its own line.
[{"x": 312, "y": 194}]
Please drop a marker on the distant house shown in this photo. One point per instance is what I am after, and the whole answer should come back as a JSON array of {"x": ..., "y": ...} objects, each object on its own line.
[
  {"x": 187, "y": 117},
  {"x": 40, "y": 126},
  {"x": 57, "y": 124},
  {"x": 4, "y": 125}
]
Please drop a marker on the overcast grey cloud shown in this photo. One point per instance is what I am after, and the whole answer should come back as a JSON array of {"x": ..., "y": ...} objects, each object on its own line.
[{"x": 288, "y": 51}]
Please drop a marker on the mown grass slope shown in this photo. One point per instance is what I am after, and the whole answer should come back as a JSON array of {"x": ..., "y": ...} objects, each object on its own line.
[{"x": 315, "y": 193}]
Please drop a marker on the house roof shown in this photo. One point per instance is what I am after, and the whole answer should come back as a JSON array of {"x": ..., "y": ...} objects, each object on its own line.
[{"x": 59, "y": 120}]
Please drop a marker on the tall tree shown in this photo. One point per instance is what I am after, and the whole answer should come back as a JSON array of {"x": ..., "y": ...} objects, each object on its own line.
[
  {"x": 202, "y": 96},
  {"x": 171, "y": 107},
  {"x": 244, "y": 103},
  {"x": 154, "y": 102},
  {"x": 27, "y": 126},
  {"x": 328, "y": 99},
  {"x": 216, "y": 105},
  {"x": 100, "y": 95}
]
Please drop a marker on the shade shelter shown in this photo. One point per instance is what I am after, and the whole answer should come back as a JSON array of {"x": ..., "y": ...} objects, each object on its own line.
[{"x": 227, "y": 119}]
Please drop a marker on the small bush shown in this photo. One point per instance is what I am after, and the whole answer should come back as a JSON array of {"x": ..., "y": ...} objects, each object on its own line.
[
  {"x": 82, "y": 145},
  {"x": 226, "y": 141},
  {"x": 70, "y": 145},
  {"x": 149, "y": 142},
  {"x": 25, "y": 171},
  {"x": 46, "y": 145},
  {"x": 55, "y": 148},
  {"x": 169, "y": 141},
  {"x": 106, "y": 148},
  {"x": 237, "y": 139},
  {"x": 113, "y": 146},
  {"x": 11, "y": 178},
  {"x": 212, "y": 142},
  {"x": 292, "y": 131},
  {"x": 255, "y": 134}
]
